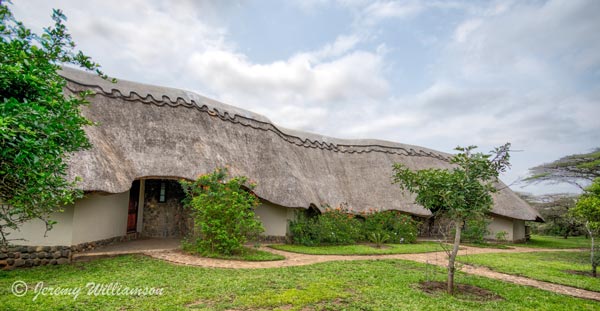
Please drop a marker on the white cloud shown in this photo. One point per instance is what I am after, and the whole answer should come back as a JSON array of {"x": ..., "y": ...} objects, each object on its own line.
[
  {"x": 341, "y": 45},
  {"x": 140, "y": 40},
  {"x": 465, "y": 29},
  {"x": 391, "y": 9},
  {"x": 335, "y": 74},
  {"x": 355, "y": 75},
  {"x": 551, "y": 42}
]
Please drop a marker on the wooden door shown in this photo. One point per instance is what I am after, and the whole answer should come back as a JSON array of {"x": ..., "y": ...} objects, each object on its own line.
[{"x": 134, "y": 200}]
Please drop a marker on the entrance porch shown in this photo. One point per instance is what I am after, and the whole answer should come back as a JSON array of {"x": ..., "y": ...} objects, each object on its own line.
[{"x": 139, "y": 246}]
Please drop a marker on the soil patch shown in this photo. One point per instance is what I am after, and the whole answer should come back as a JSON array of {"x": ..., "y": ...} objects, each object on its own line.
[
  {"x": 579, "y": 272},
  {"x": 462, "y": 291}
]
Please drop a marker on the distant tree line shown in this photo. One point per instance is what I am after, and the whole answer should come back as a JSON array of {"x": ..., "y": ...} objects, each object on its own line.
[{"x": 555, "y": 209}]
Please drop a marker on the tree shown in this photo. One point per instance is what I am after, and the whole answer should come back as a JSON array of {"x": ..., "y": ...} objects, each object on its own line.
[
  {"x": 39, "y": 126},
  {"x": 461, "y": 193},
  {"x": 588, "y": 209},
  {"x": 555, "y": 209},
  {"x": 573, "y": 169},
  {"x": 223, "y": 212}
]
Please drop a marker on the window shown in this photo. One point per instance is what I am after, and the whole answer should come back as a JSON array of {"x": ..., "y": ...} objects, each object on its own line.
[{"x": 163, "y": 190}]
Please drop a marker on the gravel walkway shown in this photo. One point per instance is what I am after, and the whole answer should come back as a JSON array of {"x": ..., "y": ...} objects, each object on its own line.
[{"x": 435, "y": 258}]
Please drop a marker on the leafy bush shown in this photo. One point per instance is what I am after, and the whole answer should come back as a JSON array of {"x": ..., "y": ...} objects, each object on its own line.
[
  {"x": 338, "y": 226},
  {"x": 399, "y": 227},
  {"x": 378, "y": 238},
  {"x": 223, "y": 212},
  {"x": 501, "y": 236},
  {"x": 475, "y": 230},
  {"x": 335, "y": 227},
  {"x": 304, "y": 230}
]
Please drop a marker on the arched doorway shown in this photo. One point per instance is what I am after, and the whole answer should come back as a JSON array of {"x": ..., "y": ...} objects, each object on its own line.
[{"x": 158, "y": 211}]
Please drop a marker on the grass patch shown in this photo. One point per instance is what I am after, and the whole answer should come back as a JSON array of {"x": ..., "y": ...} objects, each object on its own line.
[
  {"x": 361, "y": 249},
  {"x": 544, "y": 266},
  {"x": 542, "y": 241},
  {"x": 249, "y": 254},
  {"x": 352, "y": 285}
]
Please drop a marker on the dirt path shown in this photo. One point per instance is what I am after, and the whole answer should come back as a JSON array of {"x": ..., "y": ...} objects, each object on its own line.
[{"x": 435, "y": 258}]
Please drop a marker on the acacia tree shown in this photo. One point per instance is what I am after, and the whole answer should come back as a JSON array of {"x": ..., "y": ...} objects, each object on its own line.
[
  {"x": 39, "y": 126},
  {"x": 588, "y": 209},
  {"x": 573, "y": 169},
  {"x": 460, "y": 193}
]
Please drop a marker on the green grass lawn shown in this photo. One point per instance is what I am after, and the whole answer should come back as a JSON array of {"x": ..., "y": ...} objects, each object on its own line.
[
  {"x": 249, "y": 254},
  {"x": 356, "y": 285},
  {"x": 361, "y": 249},
  {"x": 544, "y": 266},
  {"x": 542, "y": 241}
]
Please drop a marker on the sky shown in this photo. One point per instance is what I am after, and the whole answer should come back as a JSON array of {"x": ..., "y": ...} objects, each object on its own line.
[{"x": 437, "y": 74}]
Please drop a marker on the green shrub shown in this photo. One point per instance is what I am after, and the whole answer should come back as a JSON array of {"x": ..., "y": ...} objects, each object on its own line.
[
  {"x": 223, "y": 212},
  {"x": 333, "y": 227},
  {"x": 303, "y": 229},
  {"x": 400, "y": 228},
  {"x": 501, "y": 236},
  {"x": 475, "y": 230},
  {"x": 338, "y": 226},
  {"x": 378, "y": 238}
]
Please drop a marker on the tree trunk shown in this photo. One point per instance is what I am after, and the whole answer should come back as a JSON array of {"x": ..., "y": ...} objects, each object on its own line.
[
  {"x": 592, "y": 257},
  {"x": 451, "y": 267},
  {"x": 592, "y": 261}
]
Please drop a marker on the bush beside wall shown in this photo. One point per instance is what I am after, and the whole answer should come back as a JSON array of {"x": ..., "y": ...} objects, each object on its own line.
[
  {"x": 223, "y": 213},
  {"x": 338, "y": 227}
]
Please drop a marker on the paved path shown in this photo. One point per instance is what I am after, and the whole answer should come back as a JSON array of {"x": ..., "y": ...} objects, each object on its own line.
[
  {"x": 435, "y": 258},
  {"x": 139, "y": 246}
]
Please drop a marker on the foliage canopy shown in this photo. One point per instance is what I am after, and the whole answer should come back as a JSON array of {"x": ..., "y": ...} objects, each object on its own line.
[
  {"x": 571, "y": 169},
  {"x": 588, "y": 205},
  {"x": 39, "y": 126},
  {"x": 459, "y": 193}
]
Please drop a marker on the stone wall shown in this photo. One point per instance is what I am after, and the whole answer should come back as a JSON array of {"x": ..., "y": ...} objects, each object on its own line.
[
  {"x": 30, "y": 256},
  {"x": 166, "y": 219},
  {"x": 21, "y": 256}
]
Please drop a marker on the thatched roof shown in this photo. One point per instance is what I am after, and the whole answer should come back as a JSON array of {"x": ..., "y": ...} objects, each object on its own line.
[{"x": 150, "y": 131}]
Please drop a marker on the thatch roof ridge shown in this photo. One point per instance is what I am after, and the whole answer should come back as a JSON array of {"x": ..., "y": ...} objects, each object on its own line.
[
  {"x": 137, "y": 137},
  {"x": 159, "y": 95}
]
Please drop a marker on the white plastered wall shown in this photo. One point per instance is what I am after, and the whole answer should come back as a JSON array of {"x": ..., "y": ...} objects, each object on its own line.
[
  {"x": 274, "y": 218},
  {"x": 518, "y": 230},
  {"x": 499, "y": 224},
  {"x": 32, "y": 232},
  {"x": 97, "y": 217}
]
